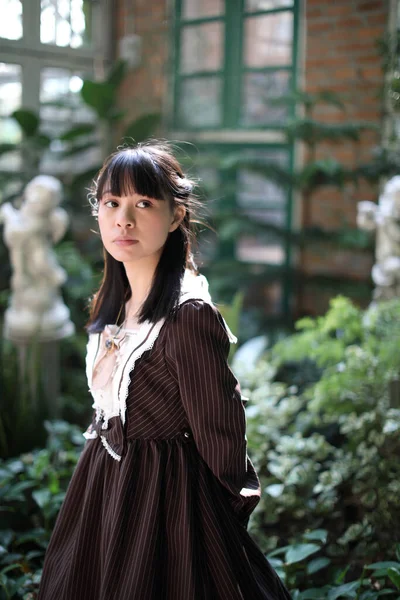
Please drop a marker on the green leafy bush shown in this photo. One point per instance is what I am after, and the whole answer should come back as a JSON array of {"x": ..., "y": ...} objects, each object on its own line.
[
  {"x": 301, "y": 561},
  {"x": 32, "y": 488},
  {"x": 323, "y": 430}
]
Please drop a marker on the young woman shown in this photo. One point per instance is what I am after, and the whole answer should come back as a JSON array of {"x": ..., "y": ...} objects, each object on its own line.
[{"x": 159, "y": 502}]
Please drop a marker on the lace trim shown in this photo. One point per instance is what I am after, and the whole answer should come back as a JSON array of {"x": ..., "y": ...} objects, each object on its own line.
[
  {"x": 109, "y": 449},
  {"x": 147, "y": 344},
  {"x": 92, "y": 435}
]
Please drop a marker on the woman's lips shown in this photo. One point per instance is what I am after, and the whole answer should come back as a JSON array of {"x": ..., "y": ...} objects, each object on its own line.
[{"x": 126, "y": 242}]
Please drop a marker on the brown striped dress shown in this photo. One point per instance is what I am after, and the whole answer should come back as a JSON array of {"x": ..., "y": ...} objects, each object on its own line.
[{"x": 158, "y": 504}]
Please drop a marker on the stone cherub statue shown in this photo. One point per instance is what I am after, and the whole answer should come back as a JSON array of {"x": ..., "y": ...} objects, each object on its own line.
[
  {"x": 384, "y": 218},
  {"x": 36, "y": 309}
]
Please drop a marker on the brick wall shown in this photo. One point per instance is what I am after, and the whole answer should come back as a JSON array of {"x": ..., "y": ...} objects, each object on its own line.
[
  {"x": 341, "y": 55},
  {"x": 145, "y": 88}
]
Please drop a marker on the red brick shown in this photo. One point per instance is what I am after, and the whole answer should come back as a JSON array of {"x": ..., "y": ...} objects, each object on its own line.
[
  {"x": 336, "y": 9},
  {"x": 372, "y": 72},
  {"x": 354, "y": 23},
  {"x": 316, "y": 27},
  {"x": 344, "y": 73},
  {"x": 314, "y": 11},
  {"x": 371, "y": 5},
  {"x": 371, "y": 33},
  {"x": 377, "y": 18}
]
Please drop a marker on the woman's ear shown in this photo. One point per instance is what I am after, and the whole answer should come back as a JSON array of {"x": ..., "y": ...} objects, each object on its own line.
[{"x": 179, "y": 215}]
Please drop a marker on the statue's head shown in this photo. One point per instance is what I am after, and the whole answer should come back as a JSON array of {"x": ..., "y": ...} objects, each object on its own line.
[
  {"x": 42, "y": 194},
  {"x": 366, "y": 215}
]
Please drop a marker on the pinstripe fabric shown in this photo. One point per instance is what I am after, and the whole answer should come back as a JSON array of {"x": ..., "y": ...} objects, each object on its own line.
[{"x": 167, "y": 522}]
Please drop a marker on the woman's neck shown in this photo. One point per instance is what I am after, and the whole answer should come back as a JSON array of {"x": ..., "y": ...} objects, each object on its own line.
[{"x": 140, "y": 277}]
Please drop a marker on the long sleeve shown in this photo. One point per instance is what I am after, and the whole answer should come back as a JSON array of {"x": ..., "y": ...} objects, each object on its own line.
[{"x": 198, "y": 347}]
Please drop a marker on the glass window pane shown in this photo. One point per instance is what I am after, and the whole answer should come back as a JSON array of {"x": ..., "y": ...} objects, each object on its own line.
[
  {"x": 264, "y": 201},
  {"x": 10, "y": 88},
  {"x": 253, "y": 5},
  {"x": 199, "y": 102},
  {"x": 202, "y": 47},
  {"x": 258, "y": 91},
  {"x": 260, "y": 248},
  {"x": 62, "y": 86},
  {"x": 193, "y": 9},
  {"x": 10, "y": 100},
  {"x": 255, "y": 186},
  {"x": 11, "y": 19},
  {"x": 268, "y": 40},
  {"x": 65, "y": 22}
]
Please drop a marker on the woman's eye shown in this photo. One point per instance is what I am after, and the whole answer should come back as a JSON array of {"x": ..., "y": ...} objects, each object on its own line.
[
  {"x": 111, "y": 202},
  {"x": 144, "y": 202}
]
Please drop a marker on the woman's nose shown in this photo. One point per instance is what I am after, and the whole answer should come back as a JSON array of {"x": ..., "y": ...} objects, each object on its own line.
[{"x": 125, "y": 218}]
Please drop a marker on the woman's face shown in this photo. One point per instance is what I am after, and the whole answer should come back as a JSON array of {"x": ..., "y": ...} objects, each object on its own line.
[{"x": 134, "y": 227}]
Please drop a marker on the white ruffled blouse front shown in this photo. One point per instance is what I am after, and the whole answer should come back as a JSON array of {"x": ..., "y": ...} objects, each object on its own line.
[
  {"x": 106, "y": 396},
  {"x": 110, "y": 398}
]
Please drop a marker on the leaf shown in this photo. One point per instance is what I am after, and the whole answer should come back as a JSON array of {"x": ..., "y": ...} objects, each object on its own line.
[
  {"x": 116, "y": 114},
  {"x": 77, "y": 131},
  {"x": 143, "y": 127},
  {"x": 275, "y": 489},
  {"x": 277, "y": 551},
  {"x": 76, "y": 149},
  {"x": 4, "y": 148},
  {"x": 299, "y": 552},
  {"x": 329, "y": 97},
  {"x": 16, "y": 466},
  {"x": 382, "y": 565},
  {"x": 42, "y": 140},
  {"x": 117, "y": 73},
  {"x": 275, "y": 562},
  {"x": 317, "y": 564},
  {"x": 15, "y": 490},
  {"x": 27, "y": 120},
  {"x": 394, "y": 575},
  {"x": 347, "y": 590},
  {"x": 10, "y": 568},
  {"x": 317, "y": 534},
  {"x": 340, "y": 577},
  {"x": 41, "y": 497},
  {"x": 34, "y": 554},
  {"x": 99, "y": 95}
]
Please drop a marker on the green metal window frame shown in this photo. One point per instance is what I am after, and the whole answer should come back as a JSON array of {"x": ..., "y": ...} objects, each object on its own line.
[
  {"x": 233, "y": 70},
  {"x": 232, "y": 135},
  {"x": 229, "y": 248}
]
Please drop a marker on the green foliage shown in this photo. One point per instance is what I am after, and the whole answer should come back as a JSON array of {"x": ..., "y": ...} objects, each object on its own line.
[
  {"x": 302, "y": 561},
  {"x": 102, "y": 95},
  {"x": 323, "y": 430},
  {"x": 32, "y": 488}
]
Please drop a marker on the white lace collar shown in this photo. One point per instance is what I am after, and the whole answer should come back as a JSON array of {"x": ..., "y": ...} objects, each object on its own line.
[{"x": 193, "y": 287}]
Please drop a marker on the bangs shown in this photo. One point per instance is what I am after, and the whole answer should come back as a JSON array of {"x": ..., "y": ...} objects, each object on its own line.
[{"x": 133, "y": 171}]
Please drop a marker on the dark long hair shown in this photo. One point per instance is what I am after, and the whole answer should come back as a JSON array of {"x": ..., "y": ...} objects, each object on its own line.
[{"x": 149, "y": 169}]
